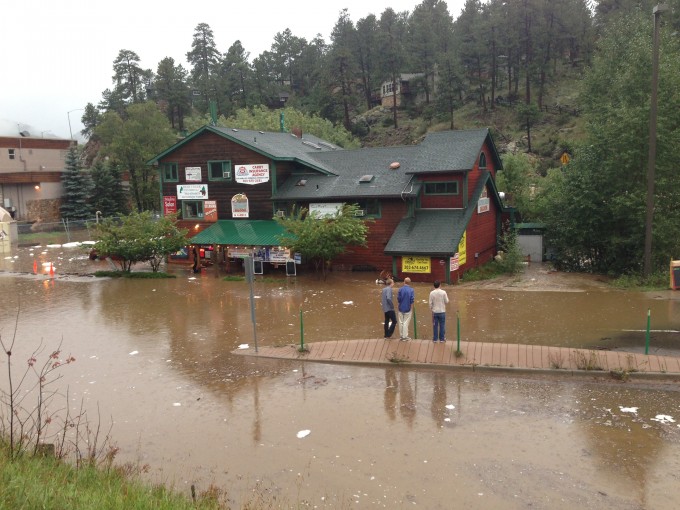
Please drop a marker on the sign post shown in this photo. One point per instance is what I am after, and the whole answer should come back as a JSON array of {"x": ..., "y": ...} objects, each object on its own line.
[{"x": 248, "y": 261}]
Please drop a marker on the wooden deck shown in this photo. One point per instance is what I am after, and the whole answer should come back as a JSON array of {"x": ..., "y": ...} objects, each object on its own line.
[{"x": 475, "y": 356}]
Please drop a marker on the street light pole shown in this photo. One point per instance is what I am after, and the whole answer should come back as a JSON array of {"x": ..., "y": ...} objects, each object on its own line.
[
  {"x": 68, "y": 115},
  {"x": 652, "y": 140}
]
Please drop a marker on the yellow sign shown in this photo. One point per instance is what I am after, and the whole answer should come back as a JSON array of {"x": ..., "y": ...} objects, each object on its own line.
[
  {"x": 415, "y": 264},
  {"x": 462, "y": 249},
  {"x": 565, "y": 158}
]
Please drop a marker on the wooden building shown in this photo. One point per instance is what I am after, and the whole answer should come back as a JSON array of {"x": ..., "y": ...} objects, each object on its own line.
[{"x": 435, "y": 207}]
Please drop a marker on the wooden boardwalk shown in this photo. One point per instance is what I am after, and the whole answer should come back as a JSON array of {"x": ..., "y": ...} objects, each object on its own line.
[{"x": 475, "y": 356}]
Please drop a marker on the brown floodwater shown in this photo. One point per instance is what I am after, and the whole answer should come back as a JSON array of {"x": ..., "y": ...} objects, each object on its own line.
[{"x": 155, "y": 358}]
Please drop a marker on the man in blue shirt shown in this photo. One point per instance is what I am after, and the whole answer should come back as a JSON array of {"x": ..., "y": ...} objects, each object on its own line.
[{"x": 405, "y": 298}]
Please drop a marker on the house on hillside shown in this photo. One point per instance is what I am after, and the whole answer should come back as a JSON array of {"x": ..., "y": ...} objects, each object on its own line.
[
  {"x": 31, "y": 165},
  {"x": 435, "y": 208},
  {"x": 406, "y": 90}
]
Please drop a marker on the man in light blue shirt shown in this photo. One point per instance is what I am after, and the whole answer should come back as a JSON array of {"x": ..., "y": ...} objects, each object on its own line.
[{"x": 405, "y": 298}]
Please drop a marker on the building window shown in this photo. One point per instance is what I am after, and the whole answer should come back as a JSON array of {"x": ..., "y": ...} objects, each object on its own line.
[
  {"x": 192, "y": 209},
  {"x": 219, "y": 170},
  {"x": 482, "y": 160},
  {"x": 369, "y": 207},
  {"x": 169, "y": 172},
  {"x": 11, "y": 153},
  {"x": 441, "y": 188}
]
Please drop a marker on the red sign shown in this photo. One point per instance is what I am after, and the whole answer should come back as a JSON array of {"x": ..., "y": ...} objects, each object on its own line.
[
  {"x": 169, "y": 205},
  {"x": 210, "y": 210}
]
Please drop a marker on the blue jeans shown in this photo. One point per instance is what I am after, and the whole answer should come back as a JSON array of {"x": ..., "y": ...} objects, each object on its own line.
[{"x": 439, "y": 326}]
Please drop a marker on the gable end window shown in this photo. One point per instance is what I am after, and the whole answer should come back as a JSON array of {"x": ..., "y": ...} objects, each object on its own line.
[
  {"x": 219, "y": 170},
  {"x": 482, "y": 160},
  {"x": 169, "y": 172},
  {"x": 441, "y": 188}
]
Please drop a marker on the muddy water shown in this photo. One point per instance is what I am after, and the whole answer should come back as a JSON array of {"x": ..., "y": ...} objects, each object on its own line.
[{"x": 391, "y": 437}]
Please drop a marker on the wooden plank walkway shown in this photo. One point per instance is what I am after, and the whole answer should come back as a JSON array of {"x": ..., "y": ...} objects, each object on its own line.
[{"x": 476, "y": 356}]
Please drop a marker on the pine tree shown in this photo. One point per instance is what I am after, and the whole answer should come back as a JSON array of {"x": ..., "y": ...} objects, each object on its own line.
[
  {"x": 75, "y": 203},
  {"x": 103, "y": 184}
]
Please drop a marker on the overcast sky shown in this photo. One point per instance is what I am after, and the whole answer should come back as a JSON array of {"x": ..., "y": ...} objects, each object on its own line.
[{"x": 57, "y": 56}]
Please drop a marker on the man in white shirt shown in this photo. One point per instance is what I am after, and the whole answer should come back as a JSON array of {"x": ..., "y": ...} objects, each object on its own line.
[{"x": 438, "y": 301}]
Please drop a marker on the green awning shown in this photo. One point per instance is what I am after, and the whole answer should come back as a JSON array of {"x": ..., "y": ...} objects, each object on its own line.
[{"x": 241, "y": 232}]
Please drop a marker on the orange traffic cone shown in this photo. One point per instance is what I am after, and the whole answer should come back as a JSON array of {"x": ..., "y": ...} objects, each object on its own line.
[
  {"x": 51, "y": 269},
  {"x": 35, "y": 266}
]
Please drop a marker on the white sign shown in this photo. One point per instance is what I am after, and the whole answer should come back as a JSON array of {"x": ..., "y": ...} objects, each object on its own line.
[
  {"x": 193, "y": 173},
  {"x": 324, "y": 210},
  {"x": 483, "y": 203},
  {"x": 239, "y": 206},
  {"x": 252, "y": 174},
  {"x": 192, "y": 191}
]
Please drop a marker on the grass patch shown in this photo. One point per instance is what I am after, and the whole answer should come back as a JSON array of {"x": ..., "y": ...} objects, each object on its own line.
[
  {"x": 586, "y": 361},
  {"x": 656, "y": 281},
  {"x": 44, "y": 482},
  {"x": 233, "y": 278},
  {"x": 144, "y": 275},
  {"x": 485, "y": 272}
]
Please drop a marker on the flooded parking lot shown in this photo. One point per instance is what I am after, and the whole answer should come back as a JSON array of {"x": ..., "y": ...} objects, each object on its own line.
[{"x": 155, "y": 356}]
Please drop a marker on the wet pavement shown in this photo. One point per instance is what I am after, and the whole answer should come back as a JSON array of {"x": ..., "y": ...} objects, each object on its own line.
[{"x": 298, "y": 434}]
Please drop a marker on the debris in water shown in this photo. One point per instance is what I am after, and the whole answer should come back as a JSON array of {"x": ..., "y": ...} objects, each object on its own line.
[
  {"x": 244, "y": 346},
  {"x": 450, "y": 406},
  {"x": 133, "y": 353},
  {"x": 303, "y": 433},
  {"x": 628, "y": 409},
  {"x": 177, "y": 404},
  {"x": 663, "y": 418},
  {"x": 348, "y": 302}
]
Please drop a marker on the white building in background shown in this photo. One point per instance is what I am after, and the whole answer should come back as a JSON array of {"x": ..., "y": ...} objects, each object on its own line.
[{"x": 31, "y": 164}]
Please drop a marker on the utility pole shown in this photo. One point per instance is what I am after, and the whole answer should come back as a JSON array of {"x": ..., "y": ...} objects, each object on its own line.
[{"x": 652, "y": 140}]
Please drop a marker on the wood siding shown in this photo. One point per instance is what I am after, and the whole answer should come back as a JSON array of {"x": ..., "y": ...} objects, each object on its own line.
[{"x": 212, "y": 147}]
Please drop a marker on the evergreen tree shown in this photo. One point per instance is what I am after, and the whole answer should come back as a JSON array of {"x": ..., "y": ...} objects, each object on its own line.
[
  {"x": 77, "y": 185},
  {"x": 107, "y": 190}
]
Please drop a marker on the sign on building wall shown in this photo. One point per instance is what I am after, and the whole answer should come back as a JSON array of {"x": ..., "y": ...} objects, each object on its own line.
[
  {"x": 415, "y": 264},
  {"x": 169, "y": 205},
  {"x": 462, "y": 249},
  {"x": 483, "y": 203},
  {"x": 210, "y": 210},
  {"x": 192, "y": 173},
  {"x": 324, "y": 210},
  {"x": 239, "y": 206},
  {"x": 454, "y": 263},
  {"x": 192, "y": 191},
  {"x": 252, "y": 174}
]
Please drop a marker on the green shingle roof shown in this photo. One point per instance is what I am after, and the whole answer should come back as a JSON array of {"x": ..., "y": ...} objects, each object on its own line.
[
  {"x": 277, "y": 146},
  {"x": 349, "y": 166},
  {"x": 448, "y": 151},
  {"x": 241, "y": 232}
]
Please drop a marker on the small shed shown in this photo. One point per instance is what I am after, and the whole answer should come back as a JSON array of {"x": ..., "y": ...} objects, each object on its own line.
[{"x": 530, "y": 240}]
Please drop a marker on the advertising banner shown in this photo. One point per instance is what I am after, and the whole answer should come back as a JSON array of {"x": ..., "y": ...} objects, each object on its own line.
[
  {"x": 252, "y": 174},
  {"x": 415, "y": 264},
  {"x": 192, "y": 191},
  {"x": 210, "y": 210},
  {"x": 324, "y": 210},
  {"x": 169, "y": 205},
  {"x": 462, "y": 249},
  {"x": 192, "y": 173},
  {"x": 239, "y": 206}
]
